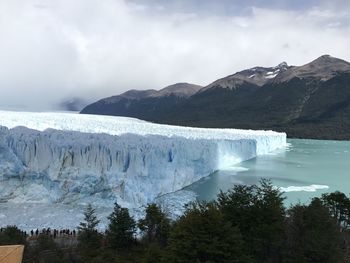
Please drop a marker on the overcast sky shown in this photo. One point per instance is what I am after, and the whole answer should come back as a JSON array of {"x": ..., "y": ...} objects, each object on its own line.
[{"x": 56, "y": 49}]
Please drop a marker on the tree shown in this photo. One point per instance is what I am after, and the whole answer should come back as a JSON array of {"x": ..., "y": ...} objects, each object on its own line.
[
  {"x": 88, "y": 237},
  {"x": 238, "y": 206},
  {"x": 295, "y": 231},
  {"x": 270, "y": 215},
  {"x": 121, "y": 228},
  {"x": 52, "y": 254},
  {"x": 339, "y": 206},
  {"x": 45, "y": 242},
  {"x": 203, "y": 235},
  {"x": 11, "y": 235},
  {"x": 155, "y": 226},
  {"x": 153, "y": 253},
  {"x": 313, "y": 235},
  {"x": 258, "y": 212},
  {"x": 90, "y": 220}
]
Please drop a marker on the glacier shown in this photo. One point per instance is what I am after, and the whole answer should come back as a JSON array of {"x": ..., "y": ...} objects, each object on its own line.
[{"x": 72, "y": 159}]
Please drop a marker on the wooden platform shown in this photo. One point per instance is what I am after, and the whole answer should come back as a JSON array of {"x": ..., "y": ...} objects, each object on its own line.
[{"x": 11, "y": 254}]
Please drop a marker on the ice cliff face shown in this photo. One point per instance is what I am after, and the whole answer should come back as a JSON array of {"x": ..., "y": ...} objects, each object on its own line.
[{"x": 70, "y": 158}]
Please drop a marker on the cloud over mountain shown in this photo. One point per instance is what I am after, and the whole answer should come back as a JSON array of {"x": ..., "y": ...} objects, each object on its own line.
[{"x": 50, "y": 50}]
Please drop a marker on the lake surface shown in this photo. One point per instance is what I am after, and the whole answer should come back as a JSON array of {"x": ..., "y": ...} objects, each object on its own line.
[{"x": 307, "y": 168}]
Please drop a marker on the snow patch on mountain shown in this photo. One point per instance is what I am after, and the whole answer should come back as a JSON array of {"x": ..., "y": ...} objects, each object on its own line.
[{"x": 258, "y": 76}]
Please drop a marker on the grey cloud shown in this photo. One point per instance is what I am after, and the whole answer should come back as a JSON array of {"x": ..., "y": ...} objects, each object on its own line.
[
  {"x": 237, "y": 7},
  {"x": 55, "y": 49}
]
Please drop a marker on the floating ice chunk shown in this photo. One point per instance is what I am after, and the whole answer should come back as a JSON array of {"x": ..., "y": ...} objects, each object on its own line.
[{"x": 306, "y": 188}]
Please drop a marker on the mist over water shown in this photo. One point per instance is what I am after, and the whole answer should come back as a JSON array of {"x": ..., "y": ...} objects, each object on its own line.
[{"x": 306, "y": 169}]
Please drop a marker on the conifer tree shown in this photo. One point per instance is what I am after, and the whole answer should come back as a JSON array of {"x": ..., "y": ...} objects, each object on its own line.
[
  {"x": 88, "y": 236},
  {"x": 155, "y": 226},
  {"x": 121, "y": 228}
]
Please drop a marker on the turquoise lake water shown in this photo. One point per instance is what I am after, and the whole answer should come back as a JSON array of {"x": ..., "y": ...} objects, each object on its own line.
[{"x": 305, "y": 169}]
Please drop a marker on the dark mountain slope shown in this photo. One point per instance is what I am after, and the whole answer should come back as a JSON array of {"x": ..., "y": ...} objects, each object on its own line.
[
  {"x": 144, "y": 104},
  {"x": 310, "y": 101},
  {"x": 210, "y": 107},
  {"x": 250, "y": 107},
  {"x": 303, "y": 109},
  {"x": 327, "y": 113}
]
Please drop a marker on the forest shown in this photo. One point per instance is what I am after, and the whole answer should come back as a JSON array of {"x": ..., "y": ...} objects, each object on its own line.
[{"x": 248, "y": 223}]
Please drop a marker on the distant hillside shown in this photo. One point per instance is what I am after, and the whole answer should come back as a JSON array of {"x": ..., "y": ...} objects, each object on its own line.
[
  {"x": 144, "y": 104},
  {"x": 309, "y": 101}
]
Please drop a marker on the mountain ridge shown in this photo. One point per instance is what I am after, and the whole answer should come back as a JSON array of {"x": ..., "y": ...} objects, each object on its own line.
[
  {"x": 308, "y": 101},
  {"x": 133, "y": 103},
  {"x": 257, "y": 76}
]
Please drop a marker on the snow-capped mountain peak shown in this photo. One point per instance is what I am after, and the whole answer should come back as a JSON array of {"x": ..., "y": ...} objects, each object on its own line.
[
  {"x": 257, "y": 76},
  {"x": 323, "y": 68}
]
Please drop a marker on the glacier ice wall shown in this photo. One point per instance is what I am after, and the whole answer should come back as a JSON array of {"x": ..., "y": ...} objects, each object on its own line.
[{"x": 70, "y": 158}]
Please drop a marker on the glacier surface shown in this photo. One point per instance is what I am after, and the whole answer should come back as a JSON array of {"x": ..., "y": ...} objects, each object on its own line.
[{"x": 65, "y": 158}]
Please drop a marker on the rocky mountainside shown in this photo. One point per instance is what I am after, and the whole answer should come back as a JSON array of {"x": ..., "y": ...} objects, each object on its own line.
[
  {"x": 256, "y": 76},
  {"x": 309, "y": 101},
  {"x": 182, "y": 90},
  {"x": 323, "y": 69}
]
